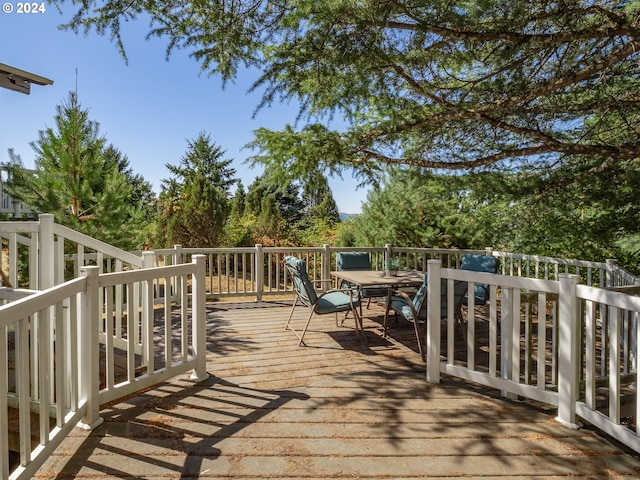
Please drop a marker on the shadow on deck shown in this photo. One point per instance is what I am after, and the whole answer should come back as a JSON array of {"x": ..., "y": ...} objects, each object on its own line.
[{"x": 338, "y": 408}]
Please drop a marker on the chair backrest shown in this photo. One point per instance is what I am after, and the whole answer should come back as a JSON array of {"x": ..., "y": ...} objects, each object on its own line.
[
  {"x": 301, "y": 283},
  {"x": 353, "y": 261},
  {"x": 418, "y": 300},
  {"x": 459, "y": 292},
  {"x": 480, "y": 263}
]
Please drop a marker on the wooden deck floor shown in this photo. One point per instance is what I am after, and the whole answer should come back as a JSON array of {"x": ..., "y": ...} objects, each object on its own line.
[{"x": 335, "y": 409}]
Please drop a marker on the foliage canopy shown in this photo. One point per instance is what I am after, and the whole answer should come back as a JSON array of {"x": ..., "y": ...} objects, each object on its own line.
[{"x": 545, "y": 89}]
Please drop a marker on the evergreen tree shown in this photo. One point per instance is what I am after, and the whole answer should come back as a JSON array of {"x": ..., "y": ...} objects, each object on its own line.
[
  {"x": 195, "y": 201},
  {"x": 319, "y": 200},
  {"x": 239, "y": 229},
  {"x": 76, "y": 181},
  {"x": 143, "y": 197},
  {"x": 239, "y": 200},
  {"x": 542, "y": 91}
]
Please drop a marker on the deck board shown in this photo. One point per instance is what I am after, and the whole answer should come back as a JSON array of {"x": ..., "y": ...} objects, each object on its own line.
[{"x": 338, "y": 408}]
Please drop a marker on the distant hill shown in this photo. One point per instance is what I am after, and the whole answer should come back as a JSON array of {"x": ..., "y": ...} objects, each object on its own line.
[{"x": 344, "y": 216}]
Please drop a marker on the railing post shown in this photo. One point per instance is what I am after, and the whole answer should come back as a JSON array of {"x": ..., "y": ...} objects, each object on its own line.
[
  {"x": 147, "y": 258},
  {"x": 199, "y": 319},
  {"x": 326, "y": 266},
  {"x": 568, "y": 351},
  {"x": 13, "y": 260},
  {"x": 508, "y": 348},
  {"x": 46, "y": 257},
  {"x": 432, "y": 326},
  {"x": 259, "y": 268},
  {"x": 388, "y": 254},
  {"x": 177, "y": 259},
  {"x": 177, "y": 254},
  {"x": 147, "y": 295},
  {"x": 89, "y": 349},
  {"x": 612, "y": 265}
]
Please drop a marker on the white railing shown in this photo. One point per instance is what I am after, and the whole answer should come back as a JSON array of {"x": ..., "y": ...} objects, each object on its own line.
[
  {"x": 539, "y": 306},
  {"x": 49, "y": 254},
  {"x": 41, "y": 253},
  {"x": 54, "y": 341},
  {"x": 566, "y": 344},
  {"x": 601, "y": 274},
  {"x": 259, "y": 272}
]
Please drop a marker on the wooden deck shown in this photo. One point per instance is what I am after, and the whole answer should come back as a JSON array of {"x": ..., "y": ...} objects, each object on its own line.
[{"x": 337, "y": 408}]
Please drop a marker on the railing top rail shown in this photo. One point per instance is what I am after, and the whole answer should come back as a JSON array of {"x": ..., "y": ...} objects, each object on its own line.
[
  {"x": 205, "y": 251},
  {"x": 356, "y": 249},
  {"x": 19, "y": 227},
  {"x": 99, "y": 245},
  {"x": 609, "y": 297},
  {"x": 447, "y": 251},
  {"x": 8, "y": 293},
  {"x": 114, "y": 278},
  {"x": 555, "y": 260},
  {"x": 522, "y": 283},
  {"x": 31, "y": 304}
]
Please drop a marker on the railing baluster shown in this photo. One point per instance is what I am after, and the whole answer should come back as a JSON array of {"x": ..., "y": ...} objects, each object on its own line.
[
  {"x": 4, "y": 419},
  {"x": 168, "y": 340}
]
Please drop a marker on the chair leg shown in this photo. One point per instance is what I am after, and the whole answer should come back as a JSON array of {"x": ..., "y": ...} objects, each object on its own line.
[
  {"x": 340, "y": 323},
  {"x": 358, "y": 321},
  {"x": 420, "y": 338},
  {"x": 289, "y": 327},
  {"x": 301, "y": 337},
  {"x": 384, "y": 322},
  {"x": 295, "y": 303},
  {"x": 461, "y": 322}
]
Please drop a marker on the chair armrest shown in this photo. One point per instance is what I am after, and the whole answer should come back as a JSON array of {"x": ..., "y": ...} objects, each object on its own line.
[
  {"x": 321, "y": 281},
  {"x": 406, "y": 298},
  {"x": 347, "y": 291}
]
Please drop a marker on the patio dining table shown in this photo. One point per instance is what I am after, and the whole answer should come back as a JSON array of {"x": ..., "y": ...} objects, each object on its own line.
[
  {"x": 376, "y": 278},
  {"x": 362, "y": 279}
]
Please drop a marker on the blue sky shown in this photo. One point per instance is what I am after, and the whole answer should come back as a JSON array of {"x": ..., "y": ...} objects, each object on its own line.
[{"x": 147, "y": 109}]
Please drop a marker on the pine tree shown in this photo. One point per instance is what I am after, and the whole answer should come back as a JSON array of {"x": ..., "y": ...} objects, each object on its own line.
[
  {"x": 195, "y": 201},
  {"x": 76, "y": 182}
]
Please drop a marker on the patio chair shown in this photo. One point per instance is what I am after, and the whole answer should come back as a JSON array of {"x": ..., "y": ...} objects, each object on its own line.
[
  {"x": 331, "y": 301},
  {"x": 359, "y": 261},
  {"x": 414, "y": 309},
  {"x": 480, "y": 263},
  {"x": 477, "y": 263}
]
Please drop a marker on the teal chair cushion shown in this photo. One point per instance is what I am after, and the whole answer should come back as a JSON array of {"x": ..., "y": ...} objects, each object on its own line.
[
  {"x": 480, "y": 263},
  {"x": 304, "y": 286},
  {"x": 400, "y": 306},
  {"x": 367, "y": 292},
  {"x": 335, "y": 302},
  {"x": 328, "y": 302},
  {"x": 353, "y": 261}
]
